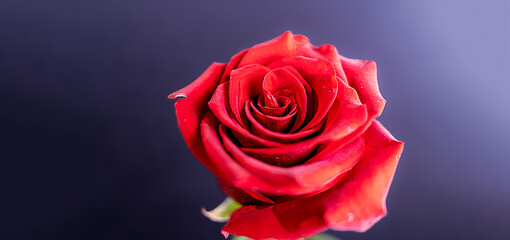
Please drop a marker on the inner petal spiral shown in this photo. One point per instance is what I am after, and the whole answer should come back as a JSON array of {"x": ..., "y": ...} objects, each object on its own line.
[
  {"x": 281, "y": 82},
  {"x": 284, "y": 107}
]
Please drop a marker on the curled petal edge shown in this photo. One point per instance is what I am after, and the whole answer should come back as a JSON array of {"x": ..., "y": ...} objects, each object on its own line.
[
  {"x": 362, "y": 76},
  {"x": 354, "y": 204}
]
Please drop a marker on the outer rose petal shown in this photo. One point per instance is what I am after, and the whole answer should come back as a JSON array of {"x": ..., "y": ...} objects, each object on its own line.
[
  {"x": 234, "y": 62},
  {"x": 354, "y": 204},
  {"x": 219, "y": 161},
  {"x": 361, "y": 200},
  {"x": 229, "y": 162},
  {"x": 191, "y": 110},
  {"x": 291, "y": 45},
  {"x": 190, "y": 114},
  {"x": 362, "y": 76},
  {"x": 325, "y": 168}
]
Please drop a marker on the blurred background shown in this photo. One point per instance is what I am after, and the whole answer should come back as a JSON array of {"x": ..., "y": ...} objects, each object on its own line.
[{"x": 90, "y": 148}]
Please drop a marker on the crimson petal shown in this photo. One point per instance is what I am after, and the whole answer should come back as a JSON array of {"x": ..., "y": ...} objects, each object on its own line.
[
  {"x": 280, "y": 79},
  {"x": 218, "y": 106},
  {"x": 347, "y": 120},
  {"x": 282, "y": 108},
  {"x": 321, "y": 76},
  {"x": 271, "y": 133},
  {"x": 354, "y": 204},
  {"x": 191, "y": 110},
  {"x": 362, "y": 76},
  {"x": 312, "y": 177},
  {"x": 219, "y": 161},
  {"x": 245, "y": 83},
  {"x": 275, "y": 123},
  {"x": 291, "y": 45},
  {"x": 233, "y": 64}
]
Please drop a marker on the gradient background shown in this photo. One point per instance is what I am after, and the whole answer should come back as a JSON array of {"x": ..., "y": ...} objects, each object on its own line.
[{"x": 90, "y": 147}]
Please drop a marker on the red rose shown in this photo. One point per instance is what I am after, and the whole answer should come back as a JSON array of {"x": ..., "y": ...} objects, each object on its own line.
[{"x": 288, "y": 128}]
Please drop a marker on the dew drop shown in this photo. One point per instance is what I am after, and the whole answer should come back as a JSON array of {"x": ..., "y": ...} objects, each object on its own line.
[{"x": 350, "y": 217}]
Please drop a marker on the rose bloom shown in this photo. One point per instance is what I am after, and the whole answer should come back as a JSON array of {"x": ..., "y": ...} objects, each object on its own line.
[{"x": 289, "y": 129}]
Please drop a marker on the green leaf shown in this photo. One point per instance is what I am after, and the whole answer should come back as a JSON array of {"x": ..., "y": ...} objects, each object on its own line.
[
  {"x": 323, "y": 236},
  {"x": 240, "y": 238},
  {"x": 222, "y": 212}
]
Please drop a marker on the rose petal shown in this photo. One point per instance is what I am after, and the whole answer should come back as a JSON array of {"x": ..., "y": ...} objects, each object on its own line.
[
  {"x": 245, "y": 84},
  {"x": 354, "y": 204},
  {"x": 269, "y": 99},
  {"x": 298, "y": 76},
  {"x": 282, "y": 108},
  {"x": 361, "y": 201},
  {"x": 321, "y": 76},
  {"x": 218, "y": 107},
  {"x": 362, "y": 76},
  {"x": 330, "y": 53},
  {"x": 347, "y": 120},
  {"x": 233, "y": 64},
  {"x": 270, "y": 133},
  {"x": 190, "y": 110},
  {"x": 346, "y": 112},
  {"x": 313, "y": 177},
  {"x": 308, "y": 90},
  {"x": 291, "y": 45},
  {"x": 275, "y": 123},
  {"x": 192, "y": 114},
  {"x": 280, "y": 79},
  {"x": 240, "y": 195},
  {"x": 218, "y": 161}
]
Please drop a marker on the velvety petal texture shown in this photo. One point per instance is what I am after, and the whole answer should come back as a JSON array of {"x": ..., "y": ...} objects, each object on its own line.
[
  {"x": 355, "y": 203},
  {"x": 191, "y": 111},
  {"x": 289, "y": 129}
]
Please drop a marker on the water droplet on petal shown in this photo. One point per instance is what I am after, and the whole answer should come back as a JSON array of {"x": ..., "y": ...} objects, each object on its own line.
[{"x": 350, "y": 217}]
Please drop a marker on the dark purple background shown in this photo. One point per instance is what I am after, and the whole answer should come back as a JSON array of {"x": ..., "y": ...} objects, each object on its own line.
[{"x": 90, "y": 147}]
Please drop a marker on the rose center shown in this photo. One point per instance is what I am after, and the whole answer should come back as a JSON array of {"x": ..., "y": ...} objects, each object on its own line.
[{"x": 276, "y": 104}]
